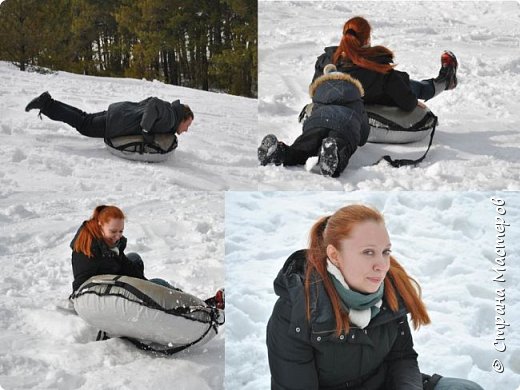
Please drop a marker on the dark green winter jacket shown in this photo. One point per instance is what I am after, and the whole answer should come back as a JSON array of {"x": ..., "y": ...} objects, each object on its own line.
[
  {"x": 152, "y": 115},
  {"x": 305, "y": 355}
]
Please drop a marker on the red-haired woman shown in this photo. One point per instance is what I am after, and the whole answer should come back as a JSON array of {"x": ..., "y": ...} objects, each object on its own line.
[
  {"x": 372, "y": 65},
  {"x": 340, "y": 321},
  {"x": 98, "y": 249}
]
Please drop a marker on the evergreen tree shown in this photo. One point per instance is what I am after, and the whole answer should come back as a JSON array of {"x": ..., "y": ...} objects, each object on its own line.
[
  {"x": 208, "y": 44},
  {"x": 19, "y": 32},
  {"x": 54, "y": 39},
  {"x": 236, "y": 66}
]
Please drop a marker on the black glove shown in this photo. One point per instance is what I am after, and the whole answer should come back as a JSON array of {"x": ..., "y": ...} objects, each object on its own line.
[
  {"x": 148, "y": 138},
  {"x": 305, "y": 112}
]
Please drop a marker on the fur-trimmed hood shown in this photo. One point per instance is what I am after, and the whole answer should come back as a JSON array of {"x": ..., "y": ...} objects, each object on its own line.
[
  {"x": 336, "y": 88},
  {"x": 335, "y": 76}
]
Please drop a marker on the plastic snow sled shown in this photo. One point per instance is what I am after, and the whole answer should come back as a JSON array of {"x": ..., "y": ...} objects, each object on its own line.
[
  {"x": 391, "y": 125},
  {"x": 133, "y": 147},
  {"x": 151, "y": 316}
]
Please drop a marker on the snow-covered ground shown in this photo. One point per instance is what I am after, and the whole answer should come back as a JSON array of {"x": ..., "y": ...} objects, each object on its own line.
[
  {"x": 180, "y": 236},
  {"x": 217, "y": 153},
  {"x": 52, "y": 178},
  {"x": 50, "y": 181},
  {"x": 446, "y": 240},
  {"x": 476, "y": 145}
]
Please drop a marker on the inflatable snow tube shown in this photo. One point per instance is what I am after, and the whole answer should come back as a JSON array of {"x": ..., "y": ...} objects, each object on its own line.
[
  {"x": 391, "y": 125},
  {"x": 151, "y": 316},
  {"x": 133, "y": 147}
]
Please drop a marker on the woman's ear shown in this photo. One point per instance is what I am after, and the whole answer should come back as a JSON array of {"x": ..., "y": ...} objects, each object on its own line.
[{"x": 333, "y": 254}]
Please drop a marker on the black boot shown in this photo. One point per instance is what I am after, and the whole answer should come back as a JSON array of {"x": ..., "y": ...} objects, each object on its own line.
[
  {"x": 271, "y": 151},
  {"x": 447, "y": 78},
  {"x": 329, "y": 157},
  {"x": 218, "y": 301},
  {"x": 40, "y": 102},
  {"x": 334, "y": 156}
]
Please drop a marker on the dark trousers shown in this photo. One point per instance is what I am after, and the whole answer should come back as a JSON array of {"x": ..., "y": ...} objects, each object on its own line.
[
  {"x": 90, "y": 125},
  {"x": 308, "y": 144},
  {"x": 424, "y": 89},
  {"x": 137, "y": 260}
]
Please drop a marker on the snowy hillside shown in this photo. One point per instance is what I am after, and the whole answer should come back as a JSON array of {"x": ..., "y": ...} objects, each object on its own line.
[
  {"x": 180, "y": 238},
  {"x": 477, "y": 142},
  {"x": 217, "y": 153},
  {"x": 50, "y": 181},
  {"x": 445, "y": 240}
]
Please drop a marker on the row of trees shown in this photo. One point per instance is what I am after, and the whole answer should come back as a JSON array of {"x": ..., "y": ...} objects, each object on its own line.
[{"x": 205, "y": 44}]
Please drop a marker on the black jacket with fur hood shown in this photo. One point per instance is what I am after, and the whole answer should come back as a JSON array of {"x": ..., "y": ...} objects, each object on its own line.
[
  {"x": 389, "y": 89},
  {"x": 308, "y": 355},
  {"x": 337, "y": 105}
]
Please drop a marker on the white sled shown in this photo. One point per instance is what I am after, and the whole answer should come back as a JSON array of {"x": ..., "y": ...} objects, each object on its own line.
[
  {"x": 391, "y": 125},
  {"x": 151, "y": 316},
  {"x": 133, "y": 147}
]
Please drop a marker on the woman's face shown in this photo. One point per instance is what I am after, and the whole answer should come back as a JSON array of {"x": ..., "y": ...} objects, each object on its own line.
[
  {"x": 364, "y": 257},
  {"x": 112, "y": 230}
]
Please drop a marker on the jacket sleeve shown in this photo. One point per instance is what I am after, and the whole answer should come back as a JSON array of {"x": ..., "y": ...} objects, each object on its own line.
[
  {"x": 83, "y": 267},
  {"x": 150, "y": 115},
  {"x": 403, "y": 370},
  {"x": 321, "y": 62},
  {"x": 397, "y": 86},
  {"x": 130, "y": 268},
  {"x": 291, "y": 358}
]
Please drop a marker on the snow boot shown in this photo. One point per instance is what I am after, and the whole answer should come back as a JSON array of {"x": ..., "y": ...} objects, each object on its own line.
[
  {"x": 447, "y": 78},
  {"x": 218, "y": 301},
  {"x": 40, "y": 102},
  {"x": 271, "y": 151},
  {"x": 328, "y": 159}
]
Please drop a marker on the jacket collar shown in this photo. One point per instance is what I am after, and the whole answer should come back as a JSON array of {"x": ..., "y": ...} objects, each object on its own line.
[{"x": 289, "y": 284}]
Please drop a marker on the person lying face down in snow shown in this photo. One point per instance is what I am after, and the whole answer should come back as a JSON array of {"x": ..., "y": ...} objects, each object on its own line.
[
  {"x": 373, "y": 67},
  {"x": 337, "y": 125},
  {"x": 98, "y": 249},
  {"x": 147, "y": 117}
]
